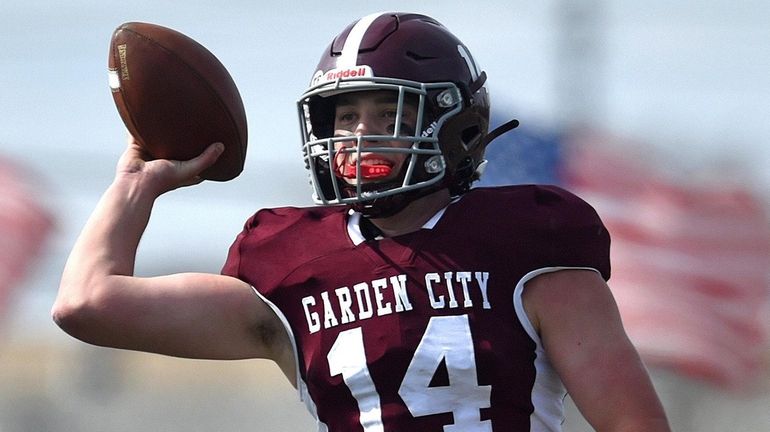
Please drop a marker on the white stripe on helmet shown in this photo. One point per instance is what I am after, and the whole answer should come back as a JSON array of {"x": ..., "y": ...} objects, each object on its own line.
[
  {"x": 349, "y": 55},
  {"x": 472, "y": 66}
]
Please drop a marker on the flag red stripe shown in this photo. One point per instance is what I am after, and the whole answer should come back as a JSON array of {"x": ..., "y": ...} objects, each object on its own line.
[
  {"x": 691, "y": 261},
  {"x": 25, "y": 224}
]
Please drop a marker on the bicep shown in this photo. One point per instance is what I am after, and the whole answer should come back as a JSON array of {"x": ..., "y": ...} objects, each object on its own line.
[
  {"x": 583, "y": 336},
  {"x": 186, "y": 315}
]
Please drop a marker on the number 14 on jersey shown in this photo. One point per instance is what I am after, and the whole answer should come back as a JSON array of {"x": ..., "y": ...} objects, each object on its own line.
[{"x": 446, "y": 339}]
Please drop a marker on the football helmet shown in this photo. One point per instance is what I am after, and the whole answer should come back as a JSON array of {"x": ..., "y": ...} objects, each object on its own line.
[{"x": 418, "y": 60}]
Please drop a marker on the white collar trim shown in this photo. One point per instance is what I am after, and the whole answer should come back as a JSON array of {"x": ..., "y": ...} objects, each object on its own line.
[{"x": 354, "y": 229}]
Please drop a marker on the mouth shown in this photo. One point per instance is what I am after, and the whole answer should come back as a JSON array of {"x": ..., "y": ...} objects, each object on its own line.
[{"x": 372, "y": 168}]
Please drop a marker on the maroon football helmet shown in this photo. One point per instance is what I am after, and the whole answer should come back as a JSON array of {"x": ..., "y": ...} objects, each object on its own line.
[{"x": 419, "y": 60}]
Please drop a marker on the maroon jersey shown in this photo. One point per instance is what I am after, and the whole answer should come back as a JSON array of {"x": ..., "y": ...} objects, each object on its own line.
[{"x": 424, "y": 331}]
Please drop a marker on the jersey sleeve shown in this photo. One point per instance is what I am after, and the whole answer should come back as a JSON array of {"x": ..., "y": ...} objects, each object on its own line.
[
  {"x": 232, "y": 264},
  {"x": 276, "y": 241},
  {"x": 575, "y": 235},
  {"x": 258, "y": 254}
]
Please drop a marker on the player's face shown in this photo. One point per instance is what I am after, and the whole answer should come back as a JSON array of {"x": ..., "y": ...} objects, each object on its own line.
[{"x": 371, "y": 113}]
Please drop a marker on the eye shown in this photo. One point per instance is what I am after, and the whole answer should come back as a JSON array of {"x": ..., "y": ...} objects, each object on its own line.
[
  {"x": 407, "y": 120},
  {"x": 345, "y": 117}
]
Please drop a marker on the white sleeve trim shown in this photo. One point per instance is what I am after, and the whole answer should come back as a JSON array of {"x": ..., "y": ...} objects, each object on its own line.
[
  {"x": 302, "y": 391},
  {"x": 290, "y": 333},
  {"x": 548, "y": 391},
  {"x": 518, "y": 303}
]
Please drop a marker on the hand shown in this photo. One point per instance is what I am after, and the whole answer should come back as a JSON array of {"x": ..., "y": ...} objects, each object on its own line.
[{"x": 164, "y": 175}]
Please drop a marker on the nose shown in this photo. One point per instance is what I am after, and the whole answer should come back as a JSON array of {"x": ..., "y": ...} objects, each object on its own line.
[
  {"x": 367, "y": 126},
  {"x": 364, "y": 126}
]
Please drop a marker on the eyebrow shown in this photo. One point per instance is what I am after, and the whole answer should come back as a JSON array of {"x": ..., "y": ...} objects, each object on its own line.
[{"x": 385, "y": 99}]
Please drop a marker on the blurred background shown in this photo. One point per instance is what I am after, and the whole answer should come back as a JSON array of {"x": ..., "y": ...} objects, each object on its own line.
[{"x": 655, "y": 112}]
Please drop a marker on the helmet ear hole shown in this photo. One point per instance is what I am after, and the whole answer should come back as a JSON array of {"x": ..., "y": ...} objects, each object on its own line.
[
  {"x": 470, "y": 137},
  {"x": 321, "y": 114}
]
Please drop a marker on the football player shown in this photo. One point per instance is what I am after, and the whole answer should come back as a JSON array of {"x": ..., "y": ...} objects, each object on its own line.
[{"x": 405, "y": 301}]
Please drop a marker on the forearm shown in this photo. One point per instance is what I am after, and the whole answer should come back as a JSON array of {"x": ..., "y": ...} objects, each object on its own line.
[
  {"x": 615, "y": 394},
  {"x": 108, "y": 243},
  {"x": 650, "y": 425},
  {"x": 100, "y": 301}
]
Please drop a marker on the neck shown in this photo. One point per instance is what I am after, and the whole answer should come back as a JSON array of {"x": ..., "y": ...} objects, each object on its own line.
[{"x": 414, "y": 215}]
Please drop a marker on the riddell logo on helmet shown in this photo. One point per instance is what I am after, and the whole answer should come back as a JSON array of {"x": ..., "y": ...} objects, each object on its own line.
[
  {"x": 335, "y": 74},
  {"x": 429, "y": 131}
]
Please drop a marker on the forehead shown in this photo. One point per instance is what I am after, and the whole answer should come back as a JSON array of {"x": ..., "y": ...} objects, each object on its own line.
[{"x": 369, "y": 96}]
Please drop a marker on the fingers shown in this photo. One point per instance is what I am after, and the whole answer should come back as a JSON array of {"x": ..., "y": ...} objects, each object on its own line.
[
  {"x": 131, "y": 140},
  {"x": 163, "y": 175},
  {"x": 192, "y": 168},
  {"x": 134, "y": 144},
  {"x": 187, "y": 173},
  {"x": 210, "y": 155}
]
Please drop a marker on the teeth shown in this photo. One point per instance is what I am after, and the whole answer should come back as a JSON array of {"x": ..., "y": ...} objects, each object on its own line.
[{"x": 375, "y": 162}]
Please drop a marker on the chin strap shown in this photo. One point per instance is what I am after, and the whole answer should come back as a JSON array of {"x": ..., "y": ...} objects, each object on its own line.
[
  {"x": 369, "y": 230},
  {"x": 503, "y": 128}
]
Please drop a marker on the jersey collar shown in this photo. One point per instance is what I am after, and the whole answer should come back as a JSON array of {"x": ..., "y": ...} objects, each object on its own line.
[{"x": 354, "y": 219}]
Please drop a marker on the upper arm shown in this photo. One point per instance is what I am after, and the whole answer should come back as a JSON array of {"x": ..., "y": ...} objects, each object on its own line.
[
  {"x": 583, "y": 337},
  {"x": 192, "y": 315}
]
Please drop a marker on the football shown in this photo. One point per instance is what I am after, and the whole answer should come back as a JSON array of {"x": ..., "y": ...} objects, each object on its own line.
[{"x": 176, "y": 98}]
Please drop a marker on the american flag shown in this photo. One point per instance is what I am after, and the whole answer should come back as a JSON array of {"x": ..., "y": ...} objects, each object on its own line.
[
  {"x": 25, "y": 224},
  {"x": 690, "y": 259}
]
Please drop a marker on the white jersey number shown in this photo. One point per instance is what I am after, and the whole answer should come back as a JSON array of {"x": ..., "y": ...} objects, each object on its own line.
[{"x": 446, "y": 340}]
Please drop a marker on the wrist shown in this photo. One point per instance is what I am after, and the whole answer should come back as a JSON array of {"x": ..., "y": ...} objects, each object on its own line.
[{"x": 135, "y": 188}]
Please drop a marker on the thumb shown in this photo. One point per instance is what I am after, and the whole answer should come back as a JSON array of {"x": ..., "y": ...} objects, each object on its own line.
[
  {"x": 188, "y": 172},
  {"x": 207, "y": 158},
  {"x": 211, "y": 154}
]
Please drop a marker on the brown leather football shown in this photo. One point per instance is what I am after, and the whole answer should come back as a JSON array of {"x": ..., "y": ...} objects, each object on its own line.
[{"x": 176, "y": 98}]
